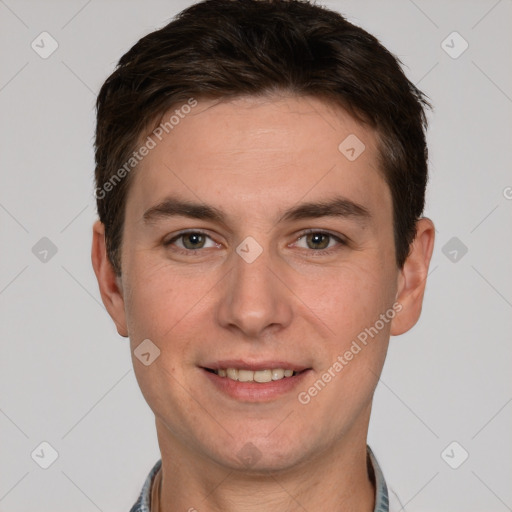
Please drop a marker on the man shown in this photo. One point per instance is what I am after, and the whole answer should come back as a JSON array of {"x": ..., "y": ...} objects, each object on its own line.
[{"x": 261, "y": 172}]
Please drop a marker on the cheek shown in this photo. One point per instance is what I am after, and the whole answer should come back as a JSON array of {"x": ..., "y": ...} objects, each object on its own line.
[
  {"x": 347, "y": 299},
  {"x": 159, "y": 306},
  {"x": 162, "y": 301}
]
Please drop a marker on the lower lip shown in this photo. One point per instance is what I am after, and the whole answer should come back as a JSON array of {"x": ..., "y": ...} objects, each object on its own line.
[{"x": 256, "y": 391}]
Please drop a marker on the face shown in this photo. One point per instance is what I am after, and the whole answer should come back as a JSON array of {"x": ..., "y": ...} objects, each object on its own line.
[{"x": 254, "y": 243}]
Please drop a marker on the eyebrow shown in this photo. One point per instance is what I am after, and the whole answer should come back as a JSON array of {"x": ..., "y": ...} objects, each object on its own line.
[
  {"x": 171, "y": 207},
  {"x": 336, "y": 207}
]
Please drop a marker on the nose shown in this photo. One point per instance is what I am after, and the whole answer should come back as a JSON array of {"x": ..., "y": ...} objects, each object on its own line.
[{"x": 255, "y": 300}]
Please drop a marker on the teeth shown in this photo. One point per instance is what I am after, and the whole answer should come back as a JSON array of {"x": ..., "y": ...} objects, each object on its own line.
[
  {"x": 263, "y": 376},
  {"x": 254, "y": 376},
  {"x": 232, "y": 373},
  {"x": 277, "y": 374},
  {"x": 245, "y": 375}
]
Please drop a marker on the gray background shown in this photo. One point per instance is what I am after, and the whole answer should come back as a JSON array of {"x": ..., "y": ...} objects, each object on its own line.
[{"x": 65, "y": 374}]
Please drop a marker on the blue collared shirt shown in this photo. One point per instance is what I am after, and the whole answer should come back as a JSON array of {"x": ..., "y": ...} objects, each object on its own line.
[{"x": 384, "y": 502}]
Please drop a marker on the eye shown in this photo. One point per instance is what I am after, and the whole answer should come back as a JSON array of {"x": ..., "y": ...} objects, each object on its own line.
[
  {"x": 191, "y": 241},
  {"x": 319, "y": 241}
]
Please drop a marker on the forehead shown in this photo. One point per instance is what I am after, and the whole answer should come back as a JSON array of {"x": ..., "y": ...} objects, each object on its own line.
[{"x": 259, "y": 154}]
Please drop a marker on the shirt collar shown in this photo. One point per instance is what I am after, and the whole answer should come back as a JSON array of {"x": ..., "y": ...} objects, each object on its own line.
[
  {"x": 143, "y": 503},
  {"x": 381, "y": 489}
]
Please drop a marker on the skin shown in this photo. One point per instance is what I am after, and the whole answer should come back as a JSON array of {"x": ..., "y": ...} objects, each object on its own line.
[{"x": 253, "y": 158}]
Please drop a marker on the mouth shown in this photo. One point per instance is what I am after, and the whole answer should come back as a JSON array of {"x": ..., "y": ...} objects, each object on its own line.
[
  {"x": 261, "y": 376},
  {"x": 259, "y": 382}
]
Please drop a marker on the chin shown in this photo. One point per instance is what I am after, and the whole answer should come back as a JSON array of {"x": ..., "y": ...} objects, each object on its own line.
[{"x": 260, "y": 456}]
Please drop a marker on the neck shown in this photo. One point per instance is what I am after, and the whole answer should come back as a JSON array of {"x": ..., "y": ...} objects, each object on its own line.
[{"x": 337, "y": 481}]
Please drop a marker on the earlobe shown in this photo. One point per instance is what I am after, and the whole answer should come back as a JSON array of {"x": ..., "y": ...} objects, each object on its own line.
[
  {"x": 109, "y": 283},
  {"x": 413, "y": 277}
]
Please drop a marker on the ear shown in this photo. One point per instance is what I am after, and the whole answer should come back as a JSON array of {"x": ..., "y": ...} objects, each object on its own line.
[
  {"x": 109, "y": 283},
  {"x": 413, "y": 277}
]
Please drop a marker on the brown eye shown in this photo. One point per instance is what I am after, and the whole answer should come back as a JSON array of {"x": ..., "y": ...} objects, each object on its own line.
[
  {"x": 193, "y": 240},
  {"x": 318, "y": 240},
  {"x": 322, "y": 242}
]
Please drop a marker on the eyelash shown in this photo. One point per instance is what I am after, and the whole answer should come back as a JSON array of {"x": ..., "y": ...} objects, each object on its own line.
[
  {"x": 341, "y": 241},
  {"x": 191, "y": 252},
  {"x": 186, "y": 252}
]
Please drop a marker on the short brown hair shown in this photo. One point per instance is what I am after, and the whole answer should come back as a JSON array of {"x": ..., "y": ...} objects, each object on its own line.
[{"x": 228, "y": 48}]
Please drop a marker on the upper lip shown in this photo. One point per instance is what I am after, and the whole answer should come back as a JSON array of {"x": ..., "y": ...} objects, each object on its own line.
[{"x": 240, "y": 364}]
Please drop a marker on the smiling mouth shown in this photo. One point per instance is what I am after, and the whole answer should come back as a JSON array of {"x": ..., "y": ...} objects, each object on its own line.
[{"x": 261, "y": 376}]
